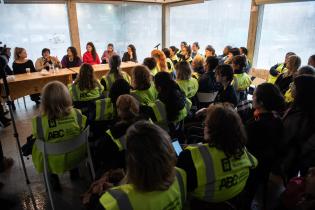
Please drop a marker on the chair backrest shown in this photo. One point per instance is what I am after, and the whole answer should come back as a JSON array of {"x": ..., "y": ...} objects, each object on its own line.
[
  {"x": 64, "y": 146},
  {"x": 206, "y": 97}
]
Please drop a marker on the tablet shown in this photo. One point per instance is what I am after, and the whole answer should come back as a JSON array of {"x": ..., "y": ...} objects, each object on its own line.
[{"x": 178, "y": 149}]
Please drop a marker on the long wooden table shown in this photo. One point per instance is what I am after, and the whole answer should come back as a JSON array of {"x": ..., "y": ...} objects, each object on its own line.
[
  {"x": 26, "y": 84},
  {"x": 102, "y": 69}
]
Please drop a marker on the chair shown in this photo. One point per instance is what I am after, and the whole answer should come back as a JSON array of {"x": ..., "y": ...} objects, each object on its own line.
[
  {"x": 62, "y": 148},
  {"x": 204, "y": 99}
]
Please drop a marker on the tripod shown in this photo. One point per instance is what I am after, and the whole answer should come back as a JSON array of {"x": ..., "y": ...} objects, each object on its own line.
[{"x": 7, "y": 98}]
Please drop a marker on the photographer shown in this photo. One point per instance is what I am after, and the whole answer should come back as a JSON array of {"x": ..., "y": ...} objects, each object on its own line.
[{"x": 46, "y": 61}]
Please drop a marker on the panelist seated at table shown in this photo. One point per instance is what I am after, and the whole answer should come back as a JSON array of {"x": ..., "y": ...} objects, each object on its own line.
[
  {"x": 47, "y": 61},
  {"x": 71, "y": 59},
  {"x": 131, "y": 54},
  {"x": 108, "y": 53},
  {"x": 86, "y": 87},
  {"x": 91, "y": 56},
  {"x": 22, "y": 65}
]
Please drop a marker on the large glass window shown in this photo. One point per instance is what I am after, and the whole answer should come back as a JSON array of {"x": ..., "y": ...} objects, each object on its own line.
[
  {"x": 287, "y": 27},
  {"x": 34, "y": 27},
  {"x": 120, "y": 24},
  {"x": 215, "y": 22}
]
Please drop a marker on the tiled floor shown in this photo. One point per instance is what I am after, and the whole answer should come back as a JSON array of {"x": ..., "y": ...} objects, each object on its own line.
[{"x": 32, "y": 196}]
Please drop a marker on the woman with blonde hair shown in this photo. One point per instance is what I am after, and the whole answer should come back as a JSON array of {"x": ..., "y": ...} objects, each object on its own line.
[
  {"x": 144, "y": 90},
  {"x": 198, "y": 66},
  {"x": 58, "y": 121},
  {"x": 86, "y": 87},
  {"x": 160, "y": 59}
]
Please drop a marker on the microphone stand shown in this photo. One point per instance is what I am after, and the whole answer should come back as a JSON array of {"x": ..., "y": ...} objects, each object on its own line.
[{"x": 7, "y": 98}]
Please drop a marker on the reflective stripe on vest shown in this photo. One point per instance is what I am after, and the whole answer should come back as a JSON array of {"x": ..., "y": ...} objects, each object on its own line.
[
  {"x": 104, "y": 109},
  {"x": 120, "y": 142},
  {"x": 159, "y": 111},
  {"x": 109, "y": 79},
  {"x": 181, "y": 185}
]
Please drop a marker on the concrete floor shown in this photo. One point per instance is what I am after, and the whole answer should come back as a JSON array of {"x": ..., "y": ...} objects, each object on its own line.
[{"x": 32, "y": 196}]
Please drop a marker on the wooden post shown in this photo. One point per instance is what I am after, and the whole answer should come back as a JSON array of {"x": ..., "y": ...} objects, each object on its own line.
[
  {"x": 254, "y": 31},
  {"x": 165, "y": 25},
  {"x": 73, "y": 25}
]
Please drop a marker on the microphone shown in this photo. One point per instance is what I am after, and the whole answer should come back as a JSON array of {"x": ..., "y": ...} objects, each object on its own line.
[{"x": 157, "y": 46}]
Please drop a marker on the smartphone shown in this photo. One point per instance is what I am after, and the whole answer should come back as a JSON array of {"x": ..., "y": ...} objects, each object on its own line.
[{"x": 178, "y": 149}]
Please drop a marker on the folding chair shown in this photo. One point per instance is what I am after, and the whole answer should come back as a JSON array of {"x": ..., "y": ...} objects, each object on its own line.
[
  {"x": 62, "y": 148},
  {"x": 204, "y": 99}
]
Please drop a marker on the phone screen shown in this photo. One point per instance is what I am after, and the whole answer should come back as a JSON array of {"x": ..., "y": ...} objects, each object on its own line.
[{"x": 177, "y": 147}]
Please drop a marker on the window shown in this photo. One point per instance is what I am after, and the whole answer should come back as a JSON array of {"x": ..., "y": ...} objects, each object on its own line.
[
  {"x": 120, "y": 24},
  {"x": 287, "y": 27},
  {"x": 34, "y": 27},
  {"x": 215, "y": 22}
]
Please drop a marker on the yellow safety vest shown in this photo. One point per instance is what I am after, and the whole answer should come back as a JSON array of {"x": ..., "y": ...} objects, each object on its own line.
[
  {"x": 120, "y": 142},
  {"x": 110, "y": 79},
  {"x": 104, "y": 110},
  {"x": 85, "y": 95},
  {"x": 241, "y": 81},
  {"x": 127, "y": 197},
  {"x": 170, "y": 62},
  {"x": 281, "y": 69},
  {"x": 189, "y": 87},
  {"x": 146, "y": 96},
  {"x": 55, "y": 131},
  {"x": 174, "y": 59},
  {"x": 219, "y": 178},
  {"x": 288, "y": 96}
]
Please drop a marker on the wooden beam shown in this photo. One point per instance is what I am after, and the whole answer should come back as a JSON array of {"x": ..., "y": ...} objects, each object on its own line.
[
  {"x": 254, "y": 31},
  {"x": 174, "y": 3},
  {"x": 259, "y": 2},
  {"x": 73, "y": 25},
  {"x": 165, "y": 26}
]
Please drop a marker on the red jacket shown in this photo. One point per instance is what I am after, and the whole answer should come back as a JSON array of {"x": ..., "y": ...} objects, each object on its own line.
[{"x": 88, "y": 58}]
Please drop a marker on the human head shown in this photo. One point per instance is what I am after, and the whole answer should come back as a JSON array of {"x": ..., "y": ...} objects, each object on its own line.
[
  {"x": 131, "y": 49},
  {"x": 72, "y": 51},
  {"x": 293, "y": 64},
  {"x": 173, "y": 50},
  {"x": 211, "y": 63},
  {"x": 268, "y": 97},
  {"x": 166, "y": 52},
  {"x": 224, "y": 129},
  {"x": 46, "y": 53},
  {"x": 56, "y": 100},
  {"x": 195, "y": 47},
  {"x": 150, "y": 157},
  {"x": 306, "y": 70},
  {"x": 209, "y": 51},
  {"x": 141, "y": 78},
  {"x": 186, "y": 51},
  {"x": 243, "y": 51},
  {"x": 287, "y": 56},
  {"x": 234, "y": 52},
  {"x": 311, "y": 60},
  {"x": 302, "y": 92},
  {"x": 127, "y": 107},
  {"x": 224, "y": 73},
  {"x": 19, "y": 53},
  {"x": 183, "y": 70},
  {"x": 86, "y": 78},
  {"x": 163, "y": 80},
  {"x": 91, "y": 48},
  {"x": 110, "y": 47},
  {"x": 197, "y": 62},
  {"x": 149, "y": 62},
  {"x": 160, "y": 59},
  {"x": 238, "y": 62},
  {"x": 183, "y": 44},
  {"x": 119, "y": 87},
  {"x": 114, "y": 62},
  {"x": 226, "y": 50}
]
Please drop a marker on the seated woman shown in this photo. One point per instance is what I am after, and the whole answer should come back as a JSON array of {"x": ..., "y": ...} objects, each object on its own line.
[
  {"x": 47, "y": 61},
  {"x": 114, "y": 73},
  {"x": 91, "y": 56},
  {"x": 284, "y": 80},
  {"x": 185, "y": 54},
  {"x": 131, "y": 54},
  {"x": 198, "y": 66},
  {"x": 278, "y": 69},
  {"x": 170, "y": 65},
  {"x": 20, "y": 64},
  {"x": 264, "y": 132},
  {"x": 160, "y": 59},
  {"x": 217, "y": 171},
  {"x": 231, "y": 54},
  {"x": 71, "y": 59},
  {"x": 242, "y": 80},
  {"x": 144, "y": 187},
  {"x": 195, "y": 48},
  {"x": 86, "y": 87},
  {"x": 209, "y": 51},
  {"x": 186, "y": 82},
  {"x": 227, "y": 93},
  {"x": 57, "y": 117},
  {"x": 207, "y": 82},
  {"x": 144, "y": 90},
  {"x": 151, "y": 64},
  {"x": 108, "y": 53},
  {"x": 311, "y": 61},
  {"x": 173, "y": 54}
]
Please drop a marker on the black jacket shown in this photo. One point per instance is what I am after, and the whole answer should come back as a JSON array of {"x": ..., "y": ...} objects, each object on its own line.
[
  {"x": 126, "y": 57},
  {"x": 227, "y": 95},
  {"x": 207, "y": 83}
]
